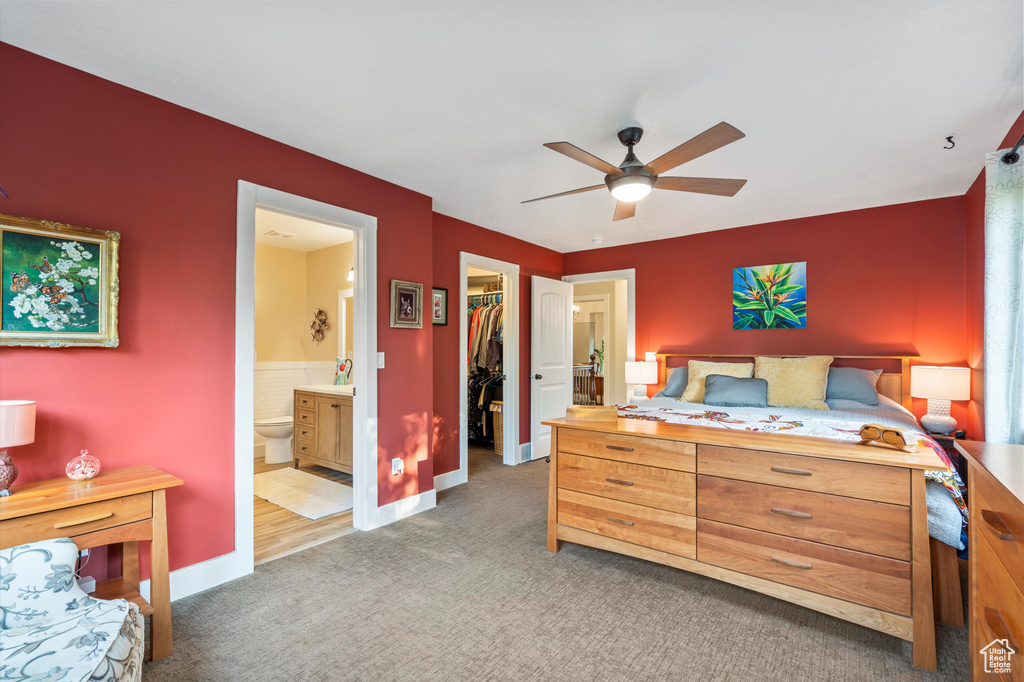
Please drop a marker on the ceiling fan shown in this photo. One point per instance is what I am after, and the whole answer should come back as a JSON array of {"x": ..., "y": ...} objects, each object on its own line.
[{"x": 633, "y": 180}]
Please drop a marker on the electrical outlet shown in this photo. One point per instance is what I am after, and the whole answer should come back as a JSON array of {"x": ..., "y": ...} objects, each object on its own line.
[
  {"x": 380, "y": 360},
  {"x": 397, "y": 466},
  {"x": 650, "y": 356},
  {"x": 84, "y": 553}
]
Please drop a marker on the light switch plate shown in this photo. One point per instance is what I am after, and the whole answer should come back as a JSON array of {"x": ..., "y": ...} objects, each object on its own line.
[
  {"x": 651, "y": 356},
  {"x": 397, "y": 466},
  {"x": 380, "y": 360}
]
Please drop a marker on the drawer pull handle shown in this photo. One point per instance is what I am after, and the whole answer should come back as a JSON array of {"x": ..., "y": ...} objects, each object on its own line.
[
  {"x": 998, "y": 627},
  {"x": 793, "y": 564},
  {"x": 622, "y": 521},
  {"x": 996, "y": 523},
  {"x": 790, "y": 512},
  {"x": 618, "y": 482},
  {"x": 619, "y": 447},
  {"x": 79, "y": 522},
  {"x": 335, "y": 405},
  {"x": 792, "y": 472}
]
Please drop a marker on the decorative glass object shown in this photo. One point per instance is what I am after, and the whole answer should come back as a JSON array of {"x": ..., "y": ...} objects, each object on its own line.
[{"x": 83, "y": 467}]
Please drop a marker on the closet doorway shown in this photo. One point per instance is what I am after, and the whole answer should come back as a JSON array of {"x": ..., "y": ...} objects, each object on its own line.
[{"x": 488, "y": 310}]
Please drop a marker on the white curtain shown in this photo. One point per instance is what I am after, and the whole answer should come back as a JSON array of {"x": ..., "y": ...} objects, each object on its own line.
[{"x": 1004, "y": 299}]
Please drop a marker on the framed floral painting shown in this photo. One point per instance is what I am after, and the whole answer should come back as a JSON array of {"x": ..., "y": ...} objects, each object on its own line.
[
  {"x": 770, "y": 296},
  {"x": 59, "y": 284}
]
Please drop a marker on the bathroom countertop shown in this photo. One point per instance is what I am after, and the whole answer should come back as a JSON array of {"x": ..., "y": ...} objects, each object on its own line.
[{"x": 327, "y": 388}]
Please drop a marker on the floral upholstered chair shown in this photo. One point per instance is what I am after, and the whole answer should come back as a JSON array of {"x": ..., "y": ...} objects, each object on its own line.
[{"x": 51, "y": 630}]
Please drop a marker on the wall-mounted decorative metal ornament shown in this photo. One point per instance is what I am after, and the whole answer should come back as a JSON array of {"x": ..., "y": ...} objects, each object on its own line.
[{"x": 319, "y": 325}]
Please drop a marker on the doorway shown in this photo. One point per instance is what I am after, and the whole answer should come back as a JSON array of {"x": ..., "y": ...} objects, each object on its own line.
[
  {"x": 488, "y": 310},
  {"x": 364, "y": 376}
]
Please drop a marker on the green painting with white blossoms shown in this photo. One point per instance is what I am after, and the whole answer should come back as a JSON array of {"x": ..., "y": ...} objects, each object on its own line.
[{"x": 50, "y": 283}]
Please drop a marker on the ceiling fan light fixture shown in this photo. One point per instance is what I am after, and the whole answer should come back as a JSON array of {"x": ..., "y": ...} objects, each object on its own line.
[{"x": 631, "y": 188}]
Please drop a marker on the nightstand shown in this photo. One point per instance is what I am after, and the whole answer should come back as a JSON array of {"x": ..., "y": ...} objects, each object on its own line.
[
  {"x": 637, "y": 400},
  {"x": 948, "y": 444}
]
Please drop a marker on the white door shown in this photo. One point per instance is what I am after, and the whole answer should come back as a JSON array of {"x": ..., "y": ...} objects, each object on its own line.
[{"x": 551, "y": 358}]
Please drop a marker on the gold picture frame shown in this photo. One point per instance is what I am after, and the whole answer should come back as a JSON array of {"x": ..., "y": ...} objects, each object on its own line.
[
  {"x": 406, "y": 305},
  {"x": 60, "y": 284}
]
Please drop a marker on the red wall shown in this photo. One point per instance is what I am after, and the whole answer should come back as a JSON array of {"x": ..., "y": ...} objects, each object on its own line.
[
  {"x": 880, "y": 281},
  {"x": 450, "y": 237},
  {"x": 974, "y": 253},
  {"x": 79, "y": 149}
]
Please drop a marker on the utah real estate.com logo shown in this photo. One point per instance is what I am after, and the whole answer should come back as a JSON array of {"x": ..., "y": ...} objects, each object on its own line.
[{"x": 997, "y": 656}]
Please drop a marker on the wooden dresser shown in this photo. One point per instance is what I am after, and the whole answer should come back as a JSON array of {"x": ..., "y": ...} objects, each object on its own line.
[
  {"x": 996, "y": 534},
  {"x": 119, "y": 506},
  {"x": 323, "y": 430},
  {"x": 836, "y": 527}
]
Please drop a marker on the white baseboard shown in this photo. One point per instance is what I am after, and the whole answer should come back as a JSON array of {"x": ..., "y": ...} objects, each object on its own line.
[
  {"x": 448, "y": 480},
  {"x": 525, "y": 452},
  {"x": 198, "y": 577},
  {"x": 408, "y": 506}
]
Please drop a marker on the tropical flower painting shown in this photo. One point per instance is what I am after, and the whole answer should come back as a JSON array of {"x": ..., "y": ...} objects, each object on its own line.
[
  {"x": 58, "y": 284},
  {"x": 770, "y": 297}
]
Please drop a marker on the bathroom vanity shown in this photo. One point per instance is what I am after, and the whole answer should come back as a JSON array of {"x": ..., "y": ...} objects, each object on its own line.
[{"x": 323, "y": 427}]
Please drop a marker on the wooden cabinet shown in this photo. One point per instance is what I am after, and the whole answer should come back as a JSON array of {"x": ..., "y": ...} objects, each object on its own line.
[
  {"x": 996, "y": 533},
  {"x": 836, "y": 527},
  {"x": 323, "y": 430}
]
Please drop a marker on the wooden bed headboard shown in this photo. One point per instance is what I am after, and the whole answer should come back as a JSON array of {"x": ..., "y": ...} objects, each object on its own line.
[{"x": 894, "y": 383}]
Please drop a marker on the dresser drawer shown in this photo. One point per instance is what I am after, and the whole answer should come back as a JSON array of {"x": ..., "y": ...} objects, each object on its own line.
[
  {"x": 303, "y": 449},
  {"x": 303, "y": 416},
  {"x": 656, "y": 452},
  {"x": 648, "y": 486},
  {"x": 654, "y": 528},
  {"x": 873, "y": 581},
  {"x": 863, "y": 525},
  {"x": 305, "y": 433},
  {"x": 999, "y": 609},
  {"x": 304, "y": 400},
  {"x": 72, "y": 521},
  {"x": 1000, "y": 519},
  {"x": 836, "y": 477}
]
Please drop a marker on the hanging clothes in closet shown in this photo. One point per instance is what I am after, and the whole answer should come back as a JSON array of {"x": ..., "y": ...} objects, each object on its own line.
[{"x": 485, "y": 319}]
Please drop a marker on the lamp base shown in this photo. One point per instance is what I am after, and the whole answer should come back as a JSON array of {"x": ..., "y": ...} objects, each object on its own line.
[
  {"x": 639, "y": 390},
  {"x": 938, "y": 420},
  {"x": 8, "y": 473}
]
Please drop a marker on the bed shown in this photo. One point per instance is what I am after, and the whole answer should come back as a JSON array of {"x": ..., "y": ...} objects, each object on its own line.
[{"x": 844, "y": 527}]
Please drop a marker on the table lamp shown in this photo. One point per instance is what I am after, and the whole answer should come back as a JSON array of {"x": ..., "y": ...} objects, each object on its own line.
[
  {"x": 640, "y": 374},
  {"x": 940, "y": 385},
  {"x": 17, "y": 427}
]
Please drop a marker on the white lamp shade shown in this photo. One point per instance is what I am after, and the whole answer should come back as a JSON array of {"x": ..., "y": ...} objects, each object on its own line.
[
  {"x": 940, "y": 383},
  {"x": 17, "y": 422},
  {"x": 641, "y": 372}
]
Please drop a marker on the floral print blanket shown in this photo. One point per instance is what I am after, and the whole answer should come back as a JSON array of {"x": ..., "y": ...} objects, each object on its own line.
[{"x": 797, "y": 424}]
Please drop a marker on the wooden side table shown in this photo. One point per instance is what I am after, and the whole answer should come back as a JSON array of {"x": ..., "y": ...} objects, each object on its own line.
[{"x": 124, "y": 506}]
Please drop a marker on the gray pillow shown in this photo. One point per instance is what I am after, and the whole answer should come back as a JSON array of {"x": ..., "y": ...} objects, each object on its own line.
[
  {"x": 850, "y": 383},
  {"x": 725, "y": 391},
  {"x": 675, "y": 384}
]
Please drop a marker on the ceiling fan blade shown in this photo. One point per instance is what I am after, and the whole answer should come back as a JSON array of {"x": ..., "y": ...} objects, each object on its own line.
[
  {"x": 720, "y": 186},
  {"x": 624, "y": 209},
  {"x": 708, "y": 141},
  {"x": 562, "y": 194},
  {"x": 574, "y": 152}
]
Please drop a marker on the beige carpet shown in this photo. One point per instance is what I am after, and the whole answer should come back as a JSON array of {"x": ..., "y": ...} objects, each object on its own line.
[
  {"x": 467, "y": 591},
  {"x": 303, "y": 493}
]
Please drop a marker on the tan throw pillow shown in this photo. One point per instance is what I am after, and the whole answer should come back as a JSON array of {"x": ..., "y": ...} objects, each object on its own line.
[
  {"x": 699, "y": 369},
  {"x": 795, "y": 382}
]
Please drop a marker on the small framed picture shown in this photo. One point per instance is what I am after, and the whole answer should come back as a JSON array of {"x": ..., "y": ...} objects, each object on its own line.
[
  {"x": 439, "y": 306},
  {"x": 406, "y": 304}
]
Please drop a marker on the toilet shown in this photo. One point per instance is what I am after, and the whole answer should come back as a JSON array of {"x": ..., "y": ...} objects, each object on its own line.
[{"x": 278, "y": 432}]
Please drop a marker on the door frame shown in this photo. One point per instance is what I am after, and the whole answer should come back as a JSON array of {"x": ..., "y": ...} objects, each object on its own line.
[
  {"x": 343, "y": 322},
  {"x": 509, "y": 359},
  {"x": 605, "y": 299},
  {"x": 364, "y": 341},
  {"x": 628, "y": 274}
]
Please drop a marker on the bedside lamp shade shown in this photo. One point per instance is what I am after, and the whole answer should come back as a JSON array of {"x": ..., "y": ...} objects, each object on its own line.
[
  {"x": 17, "y": 422},
  {"x": 639, "y": 374},
  {"x": 940, "y": 385}
]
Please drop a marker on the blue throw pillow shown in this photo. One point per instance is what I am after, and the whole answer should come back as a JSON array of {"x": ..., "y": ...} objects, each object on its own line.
[
  {"x": 725, "y": 391},
  {"x": 850, "y": 383},
  {"x": 678, "y": 377}
]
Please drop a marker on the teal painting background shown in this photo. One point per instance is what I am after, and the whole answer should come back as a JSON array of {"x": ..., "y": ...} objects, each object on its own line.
[{"x": 22, "y": 250}]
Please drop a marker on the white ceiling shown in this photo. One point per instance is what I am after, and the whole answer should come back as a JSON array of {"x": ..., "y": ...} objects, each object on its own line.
[
  {"x": 297, "y": 234},
  {"x": 845, "y": 104}
]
